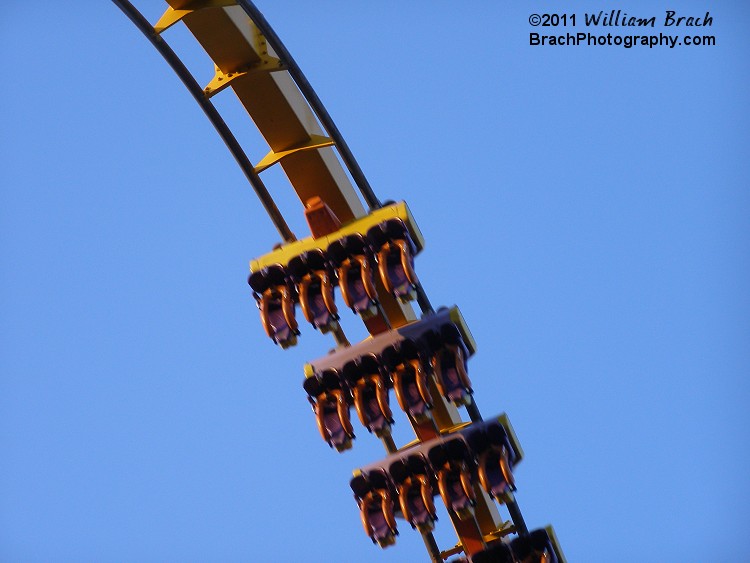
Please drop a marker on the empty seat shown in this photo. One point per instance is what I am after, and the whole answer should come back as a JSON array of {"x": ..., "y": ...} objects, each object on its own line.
[
  {"x": 274, "y": 293},
  {"x": 353, "y": 259},
  {"x": 315, "y": 279}
]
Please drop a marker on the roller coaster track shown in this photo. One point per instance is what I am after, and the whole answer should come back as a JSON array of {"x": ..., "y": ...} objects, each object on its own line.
[{"x": 367, "y": 252}]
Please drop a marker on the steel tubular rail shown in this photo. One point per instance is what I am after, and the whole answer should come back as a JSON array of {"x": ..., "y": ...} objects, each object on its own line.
[
  {"x": 312, "y": 98},
  {"x": 423, "y": 301},
  {"x": 213, "y": 115},
  {"x": 516, "y": 516}
]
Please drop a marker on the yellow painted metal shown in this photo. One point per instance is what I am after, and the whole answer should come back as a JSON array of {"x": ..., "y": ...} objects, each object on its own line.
[
  {"x": 175, "y": 15},
  {"x": 397, "y": 312},
  {"x": 455, "y": 550},
  {"x": 315, "y": 142},
  {"x": 279, "y": 110},
  {"x": 505, "y": 421},
  {"x": 556, "y": 544},
  {"x": 460, "y": 322},
  {"x": 309, "y": 371},
  {"x": 456, "y": 428},
  {"x": 288, "y": 251},
  {"x": 220, "y": 80},
  {"x": 170, "y": 17},
  {"x": 503, "y": 530},
  {"x": 486, "y": 513},
  {"x": 444, "y": 414},
  {"x": 275, "y": 105}
]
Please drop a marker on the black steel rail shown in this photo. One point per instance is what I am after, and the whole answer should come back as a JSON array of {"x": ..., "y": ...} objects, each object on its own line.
[
  {"x": 213, "y": 115},
  {"x": 312, "y": 98}
]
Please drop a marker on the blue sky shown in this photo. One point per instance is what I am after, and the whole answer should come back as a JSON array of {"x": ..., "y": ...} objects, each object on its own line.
[{"x": 586, "y": 207}]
